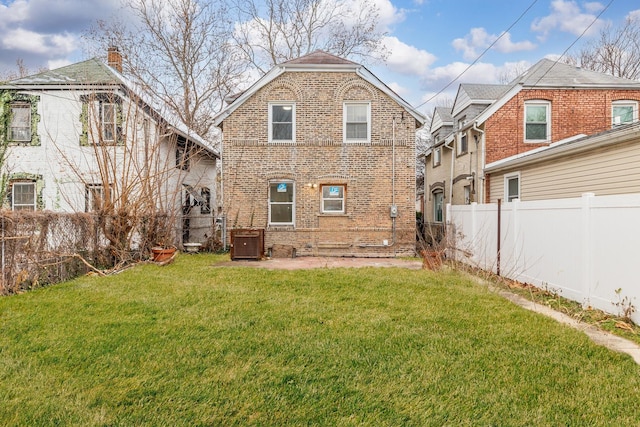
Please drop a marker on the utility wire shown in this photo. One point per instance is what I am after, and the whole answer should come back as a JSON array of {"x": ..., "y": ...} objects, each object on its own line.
[{"x": 481, "y": 55}]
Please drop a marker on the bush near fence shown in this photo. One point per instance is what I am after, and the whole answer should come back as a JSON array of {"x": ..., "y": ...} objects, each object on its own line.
[{"x": 40, "y": 248}]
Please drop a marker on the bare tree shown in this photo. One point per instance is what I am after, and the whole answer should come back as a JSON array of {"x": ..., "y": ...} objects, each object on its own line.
[
  {"x": 180, "y": 51},
  {"x": 275, "y": 31},
  {"x": 615, "y": 52}
]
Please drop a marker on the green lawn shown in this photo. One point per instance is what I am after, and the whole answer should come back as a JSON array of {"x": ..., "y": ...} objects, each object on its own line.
[{"x": 192, "y": 344}]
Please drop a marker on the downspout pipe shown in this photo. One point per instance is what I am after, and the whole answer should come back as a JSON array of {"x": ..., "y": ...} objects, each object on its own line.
[
  {"x": 450, "y": 147},
  {"x": 482, "y": 161}
]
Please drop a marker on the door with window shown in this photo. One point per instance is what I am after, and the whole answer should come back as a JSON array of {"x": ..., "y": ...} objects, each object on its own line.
[{"x": 438, "y": 206}]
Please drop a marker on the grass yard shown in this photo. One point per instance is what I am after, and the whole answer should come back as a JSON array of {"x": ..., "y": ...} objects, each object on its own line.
[{"x": 190, "y": 344}]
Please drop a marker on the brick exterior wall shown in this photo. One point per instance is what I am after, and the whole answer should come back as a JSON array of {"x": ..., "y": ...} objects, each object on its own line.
[
  {"x": 319, "y": 157},
  {"x": 573, "y": 111}
]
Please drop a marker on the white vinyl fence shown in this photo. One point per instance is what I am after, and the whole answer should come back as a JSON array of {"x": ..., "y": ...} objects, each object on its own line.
[{"x": 587, "y": 249}]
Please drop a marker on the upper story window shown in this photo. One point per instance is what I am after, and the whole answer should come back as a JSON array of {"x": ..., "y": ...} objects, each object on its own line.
[
  {"x": 281, "y": 203},
  {"x": 23, "y": 196},
  {"x": 182, "y": 157},
  {"x": 437, "y": 156},
  {"x": 623, "y": 112},
  {"x": 19, "y": 118},
  {"x": 537, "y": 121},
  {"x": 512, "y": 187},
  {"x": 333, "y": 198},
  {"x": 463, "y": 145},
  {"x": 101, "y": 119},
  {"x": 108, "y": 122},
  {"x": 20, "y": 126},
  {"x": 282, "y": 122},
  {"x": 357, "y": 122}
]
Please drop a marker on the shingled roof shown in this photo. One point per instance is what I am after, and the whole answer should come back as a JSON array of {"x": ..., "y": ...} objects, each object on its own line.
[
  {"x": 319, "y": 57},
  {"x": 94, "y": 72},
  {"x": 548, "y": 73},
  {"x": 91, "y": 71}
]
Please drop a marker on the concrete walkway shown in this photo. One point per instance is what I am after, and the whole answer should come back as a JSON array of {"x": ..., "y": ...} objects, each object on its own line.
[{"x": 612, "y": 342}]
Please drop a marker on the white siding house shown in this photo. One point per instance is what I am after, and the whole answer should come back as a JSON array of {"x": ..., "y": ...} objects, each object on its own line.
[{"x": 83, "y": 135}]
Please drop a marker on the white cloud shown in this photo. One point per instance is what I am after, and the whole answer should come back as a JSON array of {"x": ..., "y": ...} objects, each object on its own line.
[
  {"x": 634, "y": 15},
  {"x": 31, "y": 42},
  {"x": 474, "y": 43},
  {"x": 399, "y": 89},
  {"x": 567, "y": 16},
  {"x": 406, "y": 59}
]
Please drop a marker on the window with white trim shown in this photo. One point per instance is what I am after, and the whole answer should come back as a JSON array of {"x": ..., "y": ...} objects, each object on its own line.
[
  {"x": 463, "y": 146},
  {"x": 357, "y": 122},
  {"x": 333, "y": 197},
  {"x": 623, "y": 112},
  {"x": 437, "y": 156},
  {"x": 281, "y": 203},
  {"x": 20, "y": 126},
  {"x": 282, "y": 122},
  {"x": 537, "y": 116},
  {"x": 94, "y": 197},
  {"x": 512, "y": 187},
  {"x": 108, "y": 121},
  {"x": 23, "y": 196},
  {"x": 438, "y": 206}
]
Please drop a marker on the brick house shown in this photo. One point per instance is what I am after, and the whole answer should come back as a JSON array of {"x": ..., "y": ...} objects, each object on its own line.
[
  {"x": 320, "y": 154},
  {"x": 81, "y": 136},
  {"x": 550, "y": 102}
]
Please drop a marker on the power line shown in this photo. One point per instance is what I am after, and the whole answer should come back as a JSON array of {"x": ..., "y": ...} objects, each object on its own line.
[{"x": 481, "y": 55}]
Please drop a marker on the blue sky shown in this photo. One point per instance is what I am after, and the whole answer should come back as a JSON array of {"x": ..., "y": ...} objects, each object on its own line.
[{"x": 430, "y": 41}]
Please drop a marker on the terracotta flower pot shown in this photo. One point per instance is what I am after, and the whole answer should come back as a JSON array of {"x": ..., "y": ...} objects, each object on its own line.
[{"x": 162, "y": 254}]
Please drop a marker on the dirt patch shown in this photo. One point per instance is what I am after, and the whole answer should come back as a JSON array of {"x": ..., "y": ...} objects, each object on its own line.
[{"x": 324, "y": 262}]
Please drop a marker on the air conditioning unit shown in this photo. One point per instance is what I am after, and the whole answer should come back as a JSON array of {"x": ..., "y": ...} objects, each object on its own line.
[{"x": 247, "y": 243}]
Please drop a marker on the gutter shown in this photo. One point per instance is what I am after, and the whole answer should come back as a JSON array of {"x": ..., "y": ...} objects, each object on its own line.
[{"x": 574, "y": 145}]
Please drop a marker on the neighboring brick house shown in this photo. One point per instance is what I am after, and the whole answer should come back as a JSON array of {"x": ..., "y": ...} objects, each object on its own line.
[
  {"x": 320, "y": 154},
  {"x": 548, "y": 103},
  {"x": 72, "y": 129}
]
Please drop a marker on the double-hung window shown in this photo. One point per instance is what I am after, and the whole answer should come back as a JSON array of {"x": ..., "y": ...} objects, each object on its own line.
[
  {"x": 20, "y": 126},
  {"x": 357, "y": 122},
  {"x": 512, "y": 187},
  {"x": 623, "y": 112},
  {"x": 282, "y": 122},
  {"x": 281, "y": 203},
  {"x": 108, "y": 123},
  {"x": 463, "y": 146},
  {"x": 537, "y": 121},
  {"x": 437, "y": 156},
  {"x": 333, "y": 197},
  {"x": 94, "y": 198},
  {"x": 23, "y": 196}
]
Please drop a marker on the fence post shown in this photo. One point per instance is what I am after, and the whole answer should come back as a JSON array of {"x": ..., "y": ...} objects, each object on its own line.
[
  {"x": 587, "y": 247},
  {"x": 515, "y": 229},
  {"x": 474, "y": 231}
]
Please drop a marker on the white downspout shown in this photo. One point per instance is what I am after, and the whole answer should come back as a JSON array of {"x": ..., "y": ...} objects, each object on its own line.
[
  {"x": 452, "y": 165},
  {"x": 480, "y": 173}
]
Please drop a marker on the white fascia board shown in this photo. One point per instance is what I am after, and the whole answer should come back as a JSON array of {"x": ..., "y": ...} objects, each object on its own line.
[
  {"x": 371, "y": 78},
  {"x": 557, "y": 149},
  {"x": 259, "y": 84},
  {"x": 499, "y": 103}
]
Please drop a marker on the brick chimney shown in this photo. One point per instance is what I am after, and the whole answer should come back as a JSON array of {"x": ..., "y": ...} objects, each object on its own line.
[{"x": 114, "y": 58}]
